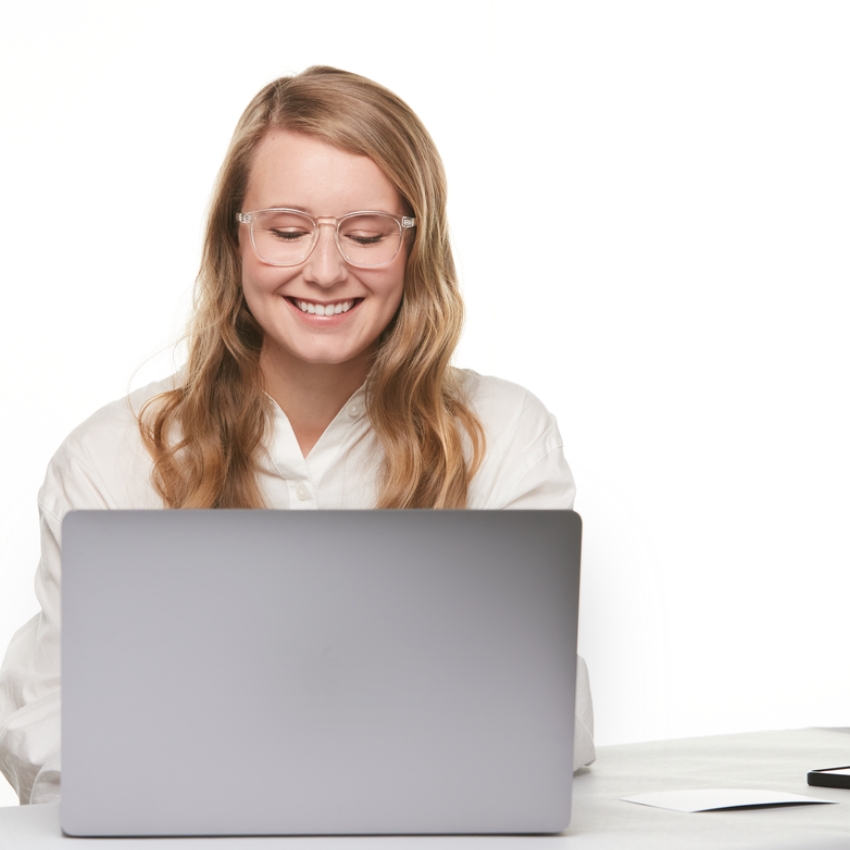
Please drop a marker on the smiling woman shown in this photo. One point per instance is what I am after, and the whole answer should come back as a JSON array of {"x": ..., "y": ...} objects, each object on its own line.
[
  {"x": 325, "y": 144},
  {"x": 321, "y": 312},
  {"x": 319, "y": 374}
]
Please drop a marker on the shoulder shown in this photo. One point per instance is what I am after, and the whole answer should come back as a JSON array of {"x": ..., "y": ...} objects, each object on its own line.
[
  {"x": 115, "y": 424},
  {"x": 103, "y": 463},
  {"x": 502, "y": 405},
  {"x": 524, "y": 464}
]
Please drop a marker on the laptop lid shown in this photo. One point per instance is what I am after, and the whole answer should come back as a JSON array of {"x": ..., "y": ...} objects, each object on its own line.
[{"x": 318, "y": 672}]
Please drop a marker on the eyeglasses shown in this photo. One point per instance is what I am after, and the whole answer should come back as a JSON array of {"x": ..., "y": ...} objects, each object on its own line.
[{"x": 283, "y": 237}]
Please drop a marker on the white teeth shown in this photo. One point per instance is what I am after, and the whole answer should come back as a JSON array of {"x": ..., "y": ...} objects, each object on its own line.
[{"x": 324, "y": 309}]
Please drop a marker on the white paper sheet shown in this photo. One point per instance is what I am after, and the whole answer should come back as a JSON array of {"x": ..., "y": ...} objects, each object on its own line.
[{"x": 708, "y": 799}]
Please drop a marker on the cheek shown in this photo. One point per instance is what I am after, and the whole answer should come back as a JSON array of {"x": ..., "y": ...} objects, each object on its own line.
[
  {"x": 397, "y": 292},
  {"x": 250, "y": 284},
  {"x": 245, "y": 263},
  {"x": 258, "y": 293},
  {"x": 252, "y": 269},
  {"x": 393, "y": 287},
  {"x": 391, "y": 298},
  {"x": 392, "y": 307},
  {"x": 259, "y": 279},
  {"x": 246, "y": 252}
]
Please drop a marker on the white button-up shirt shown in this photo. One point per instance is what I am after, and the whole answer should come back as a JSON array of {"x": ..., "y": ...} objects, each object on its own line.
[{"x": 104, "y": 465}]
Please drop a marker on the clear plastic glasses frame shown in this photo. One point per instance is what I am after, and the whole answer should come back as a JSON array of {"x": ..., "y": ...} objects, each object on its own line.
[{"x": 280, "y": 237}]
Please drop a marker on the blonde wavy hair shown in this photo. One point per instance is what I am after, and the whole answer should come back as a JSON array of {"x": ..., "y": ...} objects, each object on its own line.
[{"x": 204, "y": 436}]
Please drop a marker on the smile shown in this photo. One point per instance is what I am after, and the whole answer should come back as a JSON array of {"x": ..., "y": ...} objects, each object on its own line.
[{"x": 324, "y": 309}]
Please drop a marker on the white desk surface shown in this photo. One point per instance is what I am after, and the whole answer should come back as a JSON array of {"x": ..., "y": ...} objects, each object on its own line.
[{"x": 766, "y": 760}]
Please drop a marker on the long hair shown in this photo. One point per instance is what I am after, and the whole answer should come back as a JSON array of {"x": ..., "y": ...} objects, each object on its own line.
[{"x": 204, "y": 435}]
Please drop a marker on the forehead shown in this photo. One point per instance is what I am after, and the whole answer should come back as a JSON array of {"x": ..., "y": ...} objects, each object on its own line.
[{"x": 303, "y": 172}]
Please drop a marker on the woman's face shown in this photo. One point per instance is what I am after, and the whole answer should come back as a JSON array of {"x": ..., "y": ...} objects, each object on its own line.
[{"x": 294, "y": 171}]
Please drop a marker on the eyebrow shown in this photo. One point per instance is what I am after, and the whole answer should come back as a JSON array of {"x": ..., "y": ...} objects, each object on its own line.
[{"x": 291, "y": 207}]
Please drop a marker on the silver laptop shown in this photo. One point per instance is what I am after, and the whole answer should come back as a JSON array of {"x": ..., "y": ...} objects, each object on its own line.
[{"x": 318, "y": 672}]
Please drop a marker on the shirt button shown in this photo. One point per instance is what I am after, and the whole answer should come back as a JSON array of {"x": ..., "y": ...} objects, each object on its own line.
[
  {"x": 302, "y": 493},
  {"x": 354, "y": 410}
]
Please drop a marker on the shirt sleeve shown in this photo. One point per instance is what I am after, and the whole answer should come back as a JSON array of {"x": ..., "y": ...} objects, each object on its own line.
[
  {"x": 548, "y": 483},
  {"x": 98, "y": 466},
  {"x": 30, "y": 686},
  {"x": 584, "y": 750},
  {"x": 523, "y": 465}
]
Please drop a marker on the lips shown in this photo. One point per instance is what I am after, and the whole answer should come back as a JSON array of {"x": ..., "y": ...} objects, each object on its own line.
[{"x": 314, "y": 308}]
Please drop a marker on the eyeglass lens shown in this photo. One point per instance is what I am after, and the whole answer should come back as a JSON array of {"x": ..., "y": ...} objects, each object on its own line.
[{"x": 282, "y": 237}]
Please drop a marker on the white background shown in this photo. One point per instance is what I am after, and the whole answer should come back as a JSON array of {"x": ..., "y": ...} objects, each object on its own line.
[{"x": 650, "y": 205}]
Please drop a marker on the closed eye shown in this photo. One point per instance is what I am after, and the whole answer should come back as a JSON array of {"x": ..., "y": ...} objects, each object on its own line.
[
  {"x": 289, "y": 235},
  {"x": 365, "y": 239}
]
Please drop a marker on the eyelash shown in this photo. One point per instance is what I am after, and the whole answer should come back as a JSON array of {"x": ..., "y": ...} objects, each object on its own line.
[{"x": 288, "y": 235}]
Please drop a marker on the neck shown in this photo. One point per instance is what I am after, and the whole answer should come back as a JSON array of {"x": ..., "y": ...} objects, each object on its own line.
[{"x": 311, "y": 394}]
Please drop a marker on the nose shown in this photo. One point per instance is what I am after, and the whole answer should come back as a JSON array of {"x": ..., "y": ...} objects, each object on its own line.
[{"x": 325, "y": 266}]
